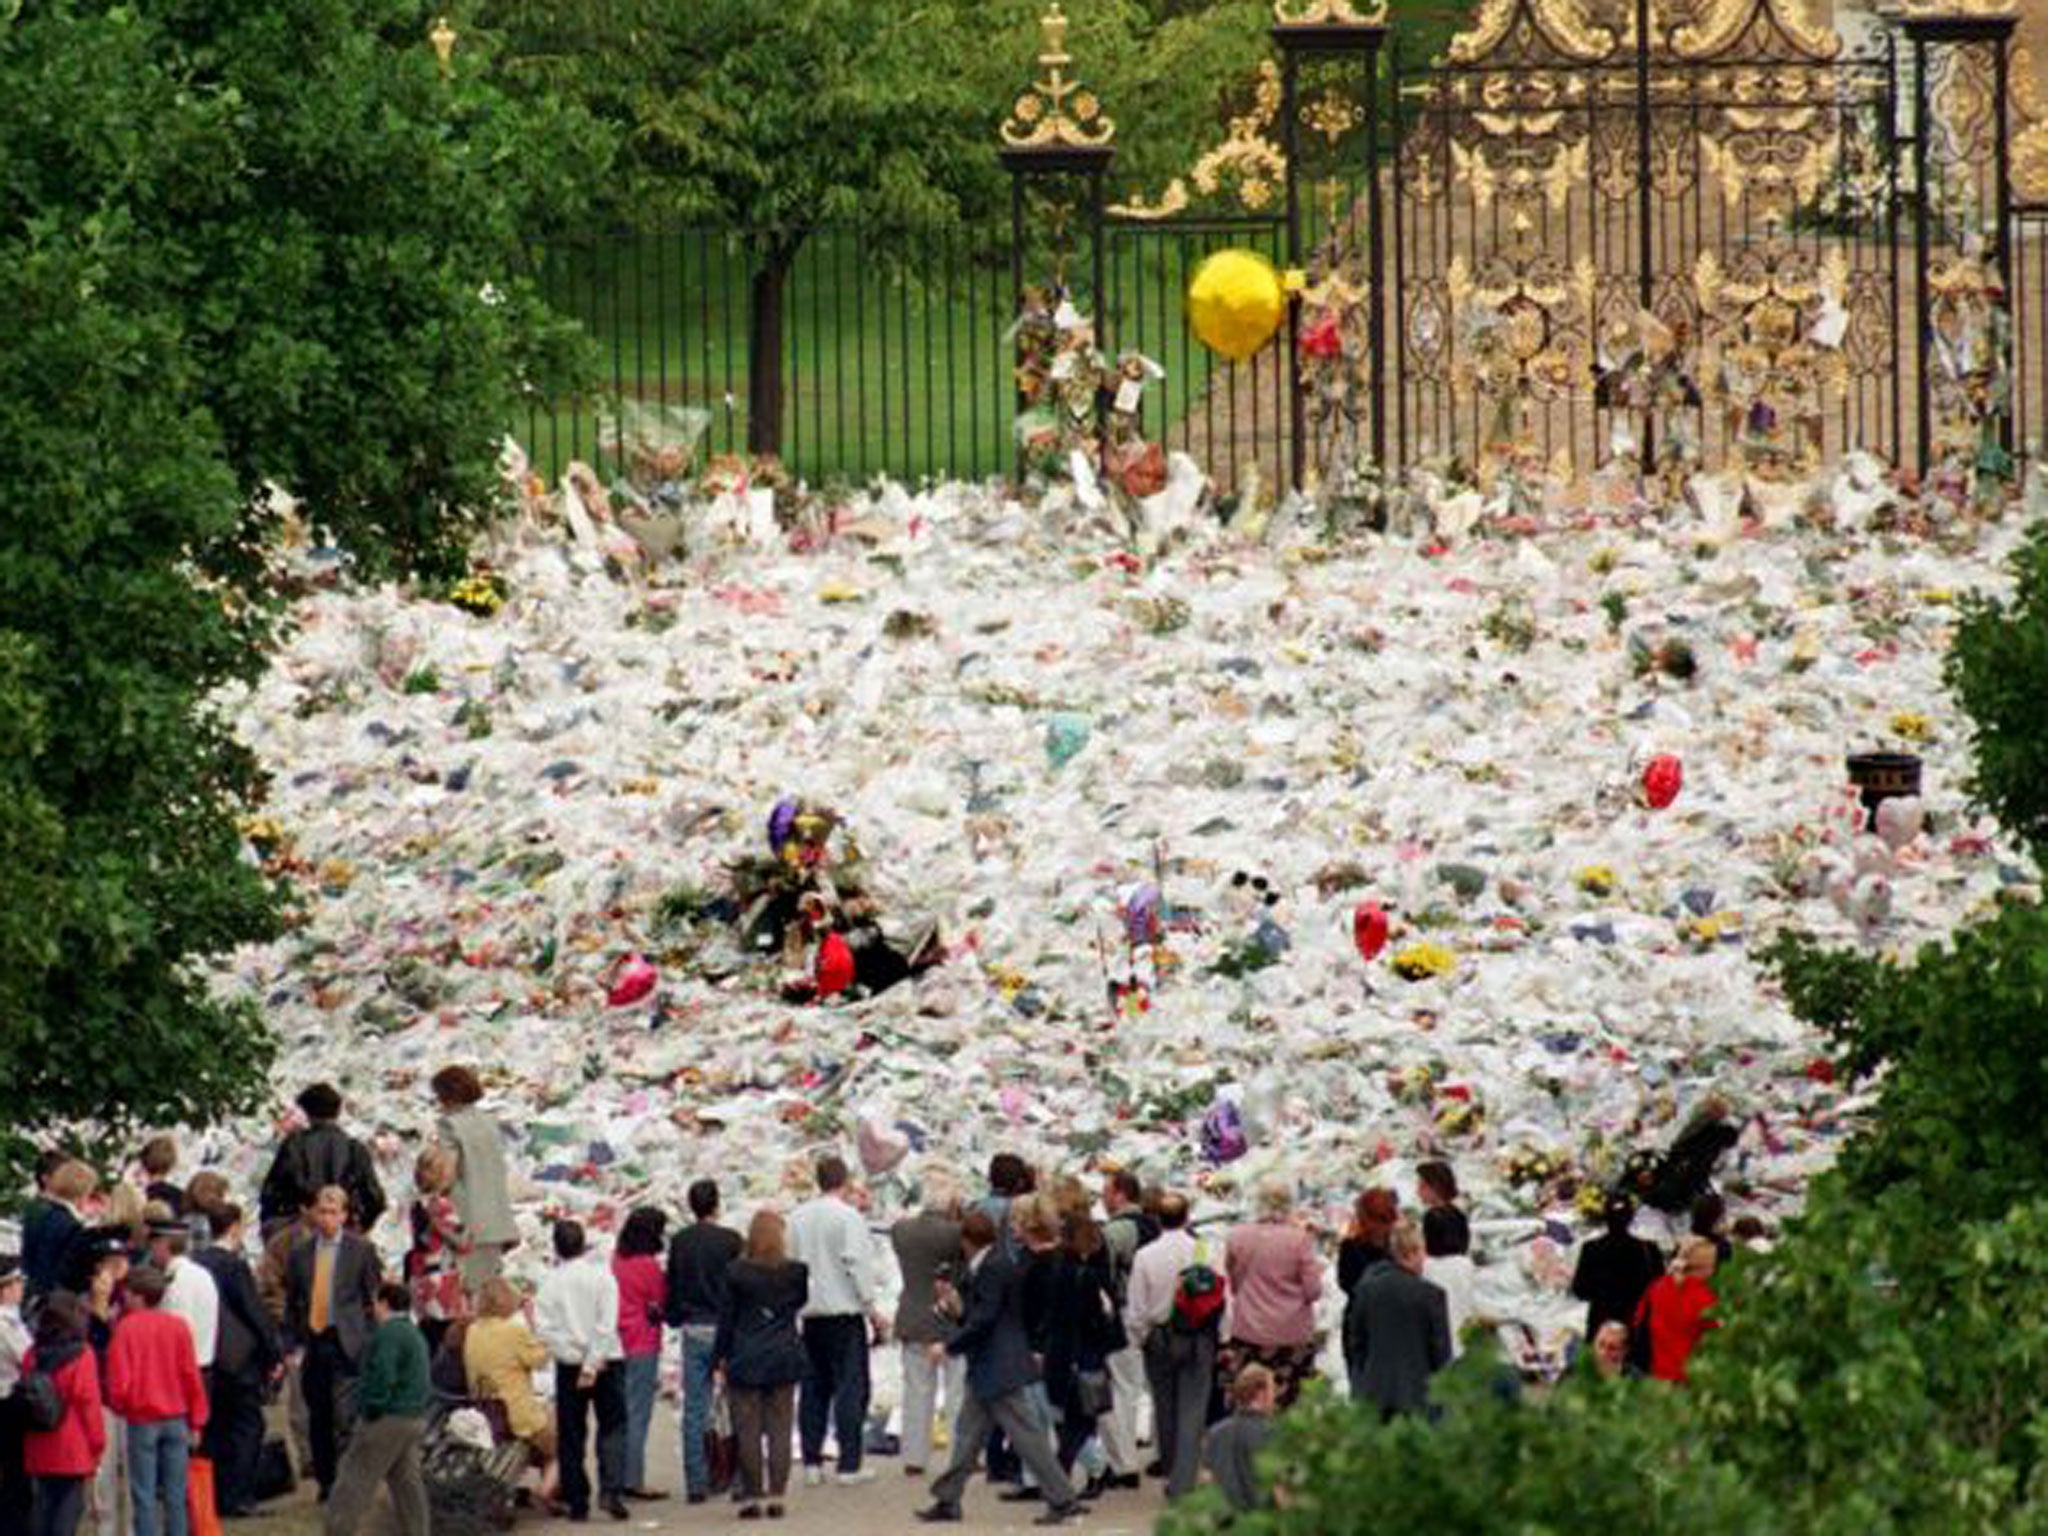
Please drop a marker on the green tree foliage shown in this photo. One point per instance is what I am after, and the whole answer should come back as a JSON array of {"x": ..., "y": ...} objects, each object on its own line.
[
  {"x": 772, "y": 117},
  {"x": 1998, "y": 670},
  {"x": 237, "y": 243}
]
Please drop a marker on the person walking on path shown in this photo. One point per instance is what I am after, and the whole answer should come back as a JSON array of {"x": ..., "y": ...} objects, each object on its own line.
[
  {"x": 1276, "y": 1279},
  {"x": 830, "y": 1239},
  {"x": 927, "y": 1250},
  {"x": 1000, "y": 1373},
  {"x": 62, "y": 1461},
  {"x": 577, "y": 1317},
  {"x": 758, "y": 1349},
  {"x": 153, "y": 1384},
  {"x": 319, "y": 1155},
  {"x": 331, "y": 1283},
  {"x": 246, "y": 1359},
  {"x": 698, "y": 1257},
  {"x": 1397, "y": 1329},
  {"x": 392, "y": 1422},
  {"x": 636, "y": 1266},
  {"x": 1180, "y": 1364},
  {"x": 483, "y": 1203}
]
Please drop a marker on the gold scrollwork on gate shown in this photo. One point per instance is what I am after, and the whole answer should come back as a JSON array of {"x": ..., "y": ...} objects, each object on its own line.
[
  {"x": 1773, "y": 325},
  {"x": 1057, "y": 112},
  {"x": 1523, "y": 323},
  {"x": 1721, "y": 24},
  {"x": 1562, "y": 25},
  {"x": 1779, "y": 159},
  {"x": 1318, "y": 13},
  {"x": 1248, "y": 154}
]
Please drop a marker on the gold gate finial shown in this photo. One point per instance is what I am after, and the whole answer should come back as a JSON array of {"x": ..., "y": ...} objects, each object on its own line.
[{"x": 1057, "y": 112}]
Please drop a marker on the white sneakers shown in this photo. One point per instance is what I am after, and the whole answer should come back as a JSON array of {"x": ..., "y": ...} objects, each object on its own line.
[{"x": 814, "y": 1477}]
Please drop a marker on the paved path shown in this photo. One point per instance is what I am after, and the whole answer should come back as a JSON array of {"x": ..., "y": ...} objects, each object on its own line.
[{"x": 885, "y": 1505}]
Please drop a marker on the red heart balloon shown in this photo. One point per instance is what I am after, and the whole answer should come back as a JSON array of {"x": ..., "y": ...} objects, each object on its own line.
[
  {"x": 633, "y": 980},
  {"x": 1663, "y": 777},
  {"x": 1369, "y": 930},
  {"x": 835, "y": 966}
]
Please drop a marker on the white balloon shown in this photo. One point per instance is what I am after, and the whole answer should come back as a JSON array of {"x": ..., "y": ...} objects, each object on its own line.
[{"x": 1900, "y": 821}]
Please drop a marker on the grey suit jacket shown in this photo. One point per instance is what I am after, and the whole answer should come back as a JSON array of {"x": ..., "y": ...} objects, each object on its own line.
[
  {"x": 356, "y": 1273},
  {"x": 991, "y": 1335},
  {"x": 1397, "y": 1334},
  {"x": 481, "y": 1197},
  {"x": 925, "y": 1245}
]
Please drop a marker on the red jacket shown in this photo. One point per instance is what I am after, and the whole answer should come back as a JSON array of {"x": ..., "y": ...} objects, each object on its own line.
[
  {"x": 73, "y": 1448},
  {"x": 1674, "y": 1309},
  {"x": 153, "y": 1370}
]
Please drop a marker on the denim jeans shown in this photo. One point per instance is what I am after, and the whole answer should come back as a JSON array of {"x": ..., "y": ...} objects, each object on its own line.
[
  {"x": 156, "y": 1470},
  {"x": 697, "y": 1342},
  {"x": 835, "y": 1394},
  {"x": 643, "y": 1380}
]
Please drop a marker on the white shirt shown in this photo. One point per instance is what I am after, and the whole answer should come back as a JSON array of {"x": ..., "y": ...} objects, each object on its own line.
[
  {"x": 14, "y": 1343},
  {"x": 193, "y": 1296},
  {"x": 1453, "y": 1273},
  {"x": 1155, "y": 1276},
  {"x": 577, "y": 1313},
  {"x": 831, "y": 1238}
]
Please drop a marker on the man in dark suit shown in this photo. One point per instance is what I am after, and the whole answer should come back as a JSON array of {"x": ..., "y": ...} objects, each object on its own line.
[
  {"x": 1397, "y": 1329},
  {"x": 330, "y": 1285},
  {"x": 1000, "y": 1369},
  {"x": 245, "y": 1360}
]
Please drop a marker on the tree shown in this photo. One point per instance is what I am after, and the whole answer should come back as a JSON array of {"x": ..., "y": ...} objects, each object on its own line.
[
  {"x": 236, "y": 243},
  {"x": 774, "y": 117}
]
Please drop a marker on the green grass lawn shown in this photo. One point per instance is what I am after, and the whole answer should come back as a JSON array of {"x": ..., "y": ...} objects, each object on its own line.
[{"x": 897, "y": 366}]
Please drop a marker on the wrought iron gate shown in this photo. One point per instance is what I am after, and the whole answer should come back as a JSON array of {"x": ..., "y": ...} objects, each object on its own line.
[{"x": 1800, "y": 223}]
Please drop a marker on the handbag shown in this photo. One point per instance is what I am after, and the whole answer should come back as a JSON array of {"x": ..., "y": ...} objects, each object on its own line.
[
  {"x": 202, "y": 1515},
  {"x": 274, "y": 1478},
  {"x": 721, "y": 1445},
  {"x": 1092, "y": 1393}
]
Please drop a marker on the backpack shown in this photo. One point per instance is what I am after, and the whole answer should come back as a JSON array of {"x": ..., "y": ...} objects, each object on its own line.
[
  {"x": 1198, "y": 1295},
  {"x": 42, "y": 1403}
]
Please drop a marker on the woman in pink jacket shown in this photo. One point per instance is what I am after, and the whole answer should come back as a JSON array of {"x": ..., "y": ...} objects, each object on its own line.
[
  {"x": 1276, "y": 1279},
  {"x": 643, "y": 1288},
  {"x": 62, "y": 1461}
]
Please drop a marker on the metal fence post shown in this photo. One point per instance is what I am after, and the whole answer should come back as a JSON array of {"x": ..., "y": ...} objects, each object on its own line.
[{"x": 1056, "y": 131}]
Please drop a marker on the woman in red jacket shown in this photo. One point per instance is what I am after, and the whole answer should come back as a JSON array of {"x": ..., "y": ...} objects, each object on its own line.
[
  {"x": 1674, "y": 1309},
  {"x": 63, "y": 1460}
]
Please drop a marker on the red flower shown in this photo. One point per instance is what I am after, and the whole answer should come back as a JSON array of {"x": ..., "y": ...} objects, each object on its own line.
[
  {"x": 1324, "y": 339},
  {"x": 1820, "y": 1070}
]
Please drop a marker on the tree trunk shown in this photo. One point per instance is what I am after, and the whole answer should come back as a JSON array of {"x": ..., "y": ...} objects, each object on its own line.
[{"x": 764, "y": 345}]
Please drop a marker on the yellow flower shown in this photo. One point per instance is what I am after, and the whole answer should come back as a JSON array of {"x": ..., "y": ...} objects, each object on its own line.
[
  {"x": 1420, "y": 961},
  {"x": 1597, "y": 880},
  {"x": 1908, "y": 726}
]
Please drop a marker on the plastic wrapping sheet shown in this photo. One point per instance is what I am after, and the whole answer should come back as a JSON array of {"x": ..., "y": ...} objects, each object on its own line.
[{"x": 484, "y": 815}]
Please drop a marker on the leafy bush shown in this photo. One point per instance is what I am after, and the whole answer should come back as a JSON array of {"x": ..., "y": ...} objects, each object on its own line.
[{"x": 1998, "y": 670}]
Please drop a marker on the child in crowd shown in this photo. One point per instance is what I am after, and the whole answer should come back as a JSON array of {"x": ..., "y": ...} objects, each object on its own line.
[
  {"x": 1232, "y": 1448},
  {"x": 433, "y": 1266},
  {"x": 153, "y": 1385}
]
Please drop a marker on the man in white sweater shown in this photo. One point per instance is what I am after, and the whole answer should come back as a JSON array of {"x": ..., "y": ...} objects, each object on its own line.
[
  {"x": 1179, "y": 1366},
  {"x": 830, "y": 1238},
  {"x": 577, "y": 1317}
]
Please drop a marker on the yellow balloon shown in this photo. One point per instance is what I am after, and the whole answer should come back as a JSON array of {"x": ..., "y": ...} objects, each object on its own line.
[{"x": 1235, "y": 303}]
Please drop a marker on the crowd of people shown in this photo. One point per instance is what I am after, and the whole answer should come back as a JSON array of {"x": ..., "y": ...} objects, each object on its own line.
[{"x": 1033, "y": 1322}]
